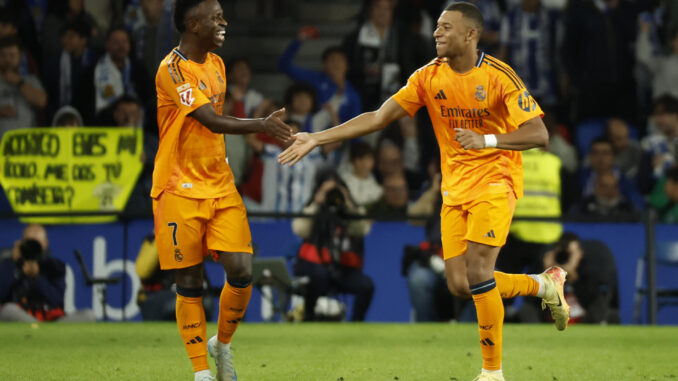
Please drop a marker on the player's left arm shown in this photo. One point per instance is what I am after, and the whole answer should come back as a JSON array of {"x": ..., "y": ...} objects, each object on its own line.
[{"x": 531, "y": 134}]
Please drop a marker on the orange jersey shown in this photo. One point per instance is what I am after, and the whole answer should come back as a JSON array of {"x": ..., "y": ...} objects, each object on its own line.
[
  {"x": 489, "y": 99},
  {"x": 191, "y": 159}
]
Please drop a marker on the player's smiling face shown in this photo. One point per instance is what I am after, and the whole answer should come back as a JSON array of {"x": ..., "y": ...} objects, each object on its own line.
[
  {"x": 212, "y": 26},
  {"x": 453, "y": 35}
]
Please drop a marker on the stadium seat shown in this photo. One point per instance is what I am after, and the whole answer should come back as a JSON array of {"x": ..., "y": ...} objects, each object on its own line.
[{"x": 666, "y": 255}]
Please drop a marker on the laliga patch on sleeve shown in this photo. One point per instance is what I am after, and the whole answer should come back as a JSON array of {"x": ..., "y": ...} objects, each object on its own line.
[{"x": 186, "y": 94}]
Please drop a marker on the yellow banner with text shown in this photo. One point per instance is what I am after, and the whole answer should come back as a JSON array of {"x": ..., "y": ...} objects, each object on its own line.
[{"x": 65, "y": 170}]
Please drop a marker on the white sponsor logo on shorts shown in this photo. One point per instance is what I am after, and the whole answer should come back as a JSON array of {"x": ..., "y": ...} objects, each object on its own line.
[{"x": 187, "y": 185}]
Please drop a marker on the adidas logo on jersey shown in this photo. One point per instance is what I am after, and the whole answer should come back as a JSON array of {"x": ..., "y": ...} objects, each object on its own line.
[
  {"x": 440, "y": 95},
  {"x": 202, "y": 86},
  {"x": 489, "y": 234}
]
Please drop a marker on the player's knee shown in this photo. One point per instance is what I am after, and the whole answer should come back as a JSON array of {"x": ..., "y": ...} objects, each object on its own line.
[
  {"x": 188, "y": 278},
  {"x": 458, "y": 288},
  {"x": 240, "y": 277}
]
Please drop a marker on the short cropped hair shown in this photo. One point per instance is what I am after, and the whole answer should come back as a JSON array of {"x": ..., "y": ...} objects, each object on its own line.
[
  {"x": 470, "y": 12},
  {"x": 301, "y": 88},
  {"x": 666, "y": 104},
  {"x": 181, "y": 8},
  {"x": 360, "y": 150},
  {"x": 331, "y": 50},
  {"x": 80, "y": 26}
]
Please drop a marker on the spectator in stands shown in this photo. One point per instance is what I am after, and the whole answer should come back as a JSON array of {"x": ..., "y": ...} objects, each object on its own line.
[
  {"x": 663, "y": 68},
  {"x": 242, "y": 101},
  {"x": 67, "y": 116},
  {"x": 627, "y": 151},
  {"x": 69, "y": 78},
  {"x": 332, "y": 251},
  {"x": 9, "y": 27},
  {"x": 125, "y": 111},
  {"x": 359, "y": 178},
  {"x": 28, "y": 17},
  {"x": 381, "y": 54},
  {"x": 601, "y": 160},
  {"x": 330, "y": 84},
  {"x": 32, "y": 282},
  {"x": 116, "y": 73},
  {"x": 664, "y": 197},
  {"x": 283, "y": 189},
  {"x": 660, "y": 149},
  {"x": 390, "y": 161},
  {"x": 527, "y": 41},
  {"x": 591, "y": 279},
  {"x": 61, "y": 13},
  {"x": 301, "y": 106},
  {"x": 21, "y": 96},
  {"x": 150, "y": 24},
  {"x": 247, "y": 102},
  {"x": 393, "y": 202},
  {"x": 607, "y": 203},
  {"x": 603, "y": 86}
]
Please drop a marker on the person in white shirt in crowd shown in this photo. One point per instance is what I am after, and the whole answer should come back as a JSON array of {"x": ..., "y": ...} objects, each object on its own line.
[
  {"x": 284, "y": 189},
  {"x": 116, "y": 73},
  {"x": 358, "y": 176},
  {"x": 663, "y": 68}
]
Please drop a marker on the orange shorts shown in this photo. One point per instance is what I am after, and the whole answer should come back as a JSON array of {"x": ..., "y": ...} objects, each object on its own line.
[
  {"x": 486, "y": 220},
  {"x": 187, "y": 229}
]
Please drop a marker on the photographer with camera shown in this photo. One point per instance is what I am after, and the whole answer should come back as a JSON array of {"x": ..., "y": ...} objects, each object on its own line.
[
  {"x": 591, "y": 289},
  {"x": 32, "y": 282},
  {"x": 331, "y": 254}
]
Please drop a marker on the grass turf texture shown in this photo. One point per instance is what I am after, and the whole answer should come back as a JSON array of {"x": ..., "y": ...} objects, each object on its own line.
[{"x": 318, "y": 352}]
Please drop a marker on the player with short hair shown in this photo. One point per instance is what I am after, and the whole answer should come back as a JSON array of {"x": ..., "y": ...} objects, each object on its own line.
[
  {"x": 196, "y": 206},
  {"x": 482, "y": 115}
]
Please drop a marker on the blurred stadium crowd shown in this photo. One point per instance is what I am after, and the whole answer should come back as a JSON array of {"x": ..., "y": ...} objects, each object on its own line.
[{"x": 604, "y": 71}]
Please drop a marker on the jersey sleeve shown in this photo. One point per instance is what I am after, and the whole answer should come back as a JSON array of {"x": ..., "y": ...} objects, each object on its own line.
[
  {"x": 520, "y": 104},
  {"x": 182, "y": 86},
  {"x": 412, "y": 96}
]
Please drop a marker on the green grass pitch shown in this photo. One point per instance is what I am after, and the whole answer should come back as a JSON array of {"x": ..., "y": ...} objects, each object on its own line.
[{"x": 339, "y": 351}]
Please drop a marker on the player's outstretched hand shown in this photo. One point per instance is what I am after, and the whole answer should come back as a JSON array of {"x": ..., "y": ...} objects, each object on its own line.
[
  {"x": 276, "y": 128},
  {"x": 303, "y": 144},
  {"x": 469, "y": 139}
]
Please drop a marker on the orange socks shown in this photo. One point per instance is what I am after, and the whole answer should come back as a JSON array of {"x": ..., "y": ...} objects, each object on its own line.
[
  {"x": 192, "y": 326},
  {"x": 232, "y": 305},
  {"x": 490, "y": 311},
  {"x": 512, "y": 285}
]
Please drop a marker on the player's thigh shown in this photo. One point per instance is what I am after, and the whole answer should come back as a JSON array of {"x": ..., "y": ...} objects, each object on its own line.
[
  {"x": 179, "y": 230},
  {"x": 228, "y": 230},
  {"x": 453, "y": 230},
  {"x": 489, "y": 219}
]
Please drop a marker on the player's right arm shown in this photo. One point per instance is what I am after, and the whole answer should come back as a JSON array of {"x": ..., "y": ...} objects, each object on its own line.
[
  {"x": 272, "y": 125},
  {"x": 362, "y": 124},
  {"x": 180, "y": 87}
]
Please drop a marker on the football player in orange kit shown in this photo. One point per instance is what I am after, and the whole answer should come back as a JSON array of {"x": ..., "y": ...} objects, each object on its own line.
[
  {"x": 196, "y": 206},
  {"x": 483, "y": 116}
]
